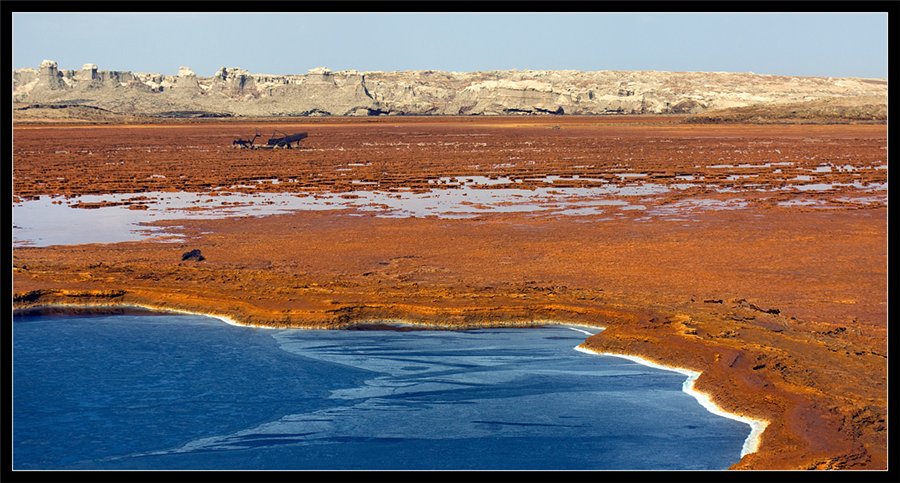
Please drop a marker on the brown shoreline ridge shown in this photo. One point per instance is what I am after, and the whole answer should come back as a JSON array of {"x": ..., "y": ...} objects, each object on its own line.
[{"x": 781, "y": 308}]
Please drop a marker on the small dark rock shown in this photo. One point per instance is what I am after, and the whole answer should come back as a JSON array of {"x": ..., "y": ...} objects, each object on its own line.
[
  {"x": 193, "y": 255},
  {"x": 757, "y": 308},
  {"x": 834, "y": 332}
]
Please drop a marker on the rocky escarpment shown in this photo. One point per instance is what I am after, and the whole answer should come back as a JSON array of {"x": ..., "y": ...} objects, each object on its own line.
[
  {"x": 237, "y": 92},
  {"x": 835, "y": 109}
]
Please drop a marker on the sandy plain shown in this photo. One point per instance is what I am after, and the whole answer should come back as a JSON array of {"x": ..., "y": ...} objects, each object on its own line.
[{"x": 756, "y": 255}]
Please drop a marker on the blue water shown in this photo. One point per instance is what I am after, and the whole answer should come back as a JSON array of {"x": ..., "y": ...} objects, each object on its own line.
[{"x": 185, "y": 392}]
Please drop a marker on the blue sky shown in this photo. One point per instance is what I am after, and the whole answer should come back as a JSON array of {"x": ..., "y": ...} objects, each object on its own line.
[{"x": 828, "y": 44}]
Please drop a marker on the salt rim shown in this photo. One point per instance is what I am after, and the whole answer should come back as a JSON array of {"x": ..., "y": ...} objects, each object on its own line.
[
  {"x": 757, "y": 426},
  {"x": 155, "y": 308},
  {"x": 223, "y": 318}
]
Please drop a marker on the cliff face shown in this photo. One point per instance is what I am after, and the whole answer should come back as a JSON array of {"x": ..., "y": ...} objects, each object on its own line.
[{"x": 237, "y": 92}]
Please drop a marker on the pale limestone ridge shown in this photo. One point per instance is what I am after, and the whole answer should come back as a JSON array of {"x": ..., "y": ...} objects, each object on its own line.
[{"x": 236, "y": 92}]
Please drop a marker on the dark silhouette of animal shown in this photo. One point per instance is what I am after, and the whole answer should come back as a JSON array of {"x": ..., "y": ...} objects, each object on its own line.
[
  {"x": 245, "y": 143},
  {"x": 286, "y": 140}
]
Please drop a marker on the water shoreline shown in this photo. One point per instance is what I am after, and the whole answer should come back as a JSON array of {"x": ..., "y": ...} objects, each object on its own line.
[
  {"x": 115, "y": 309},
  {"x": 751, "y": 443},
  {"x": 757, "y": 426}
]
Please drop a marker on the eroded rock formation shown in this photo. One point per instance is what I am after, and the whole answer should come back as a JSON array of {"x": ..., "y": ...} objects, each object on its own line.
[{"x": 232, "y": 91}]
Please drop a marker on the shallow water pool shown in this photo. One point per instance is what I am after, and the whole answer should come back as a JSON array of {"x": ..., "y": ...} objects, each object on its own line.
[{"x": 189, "y": 392}]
